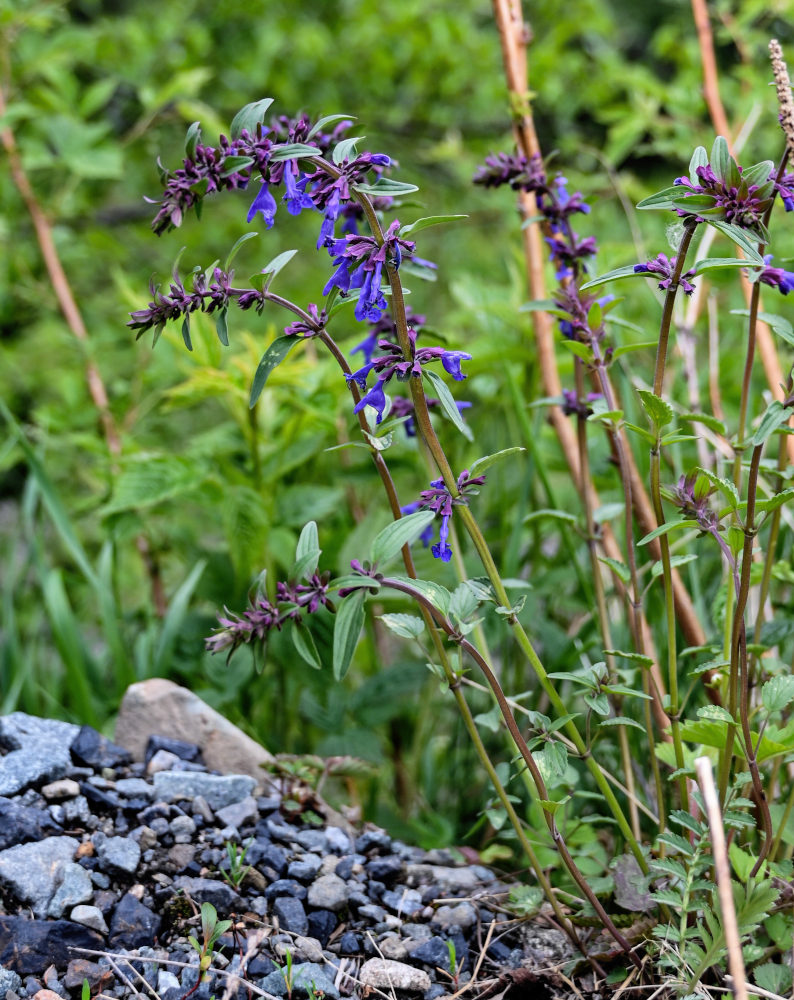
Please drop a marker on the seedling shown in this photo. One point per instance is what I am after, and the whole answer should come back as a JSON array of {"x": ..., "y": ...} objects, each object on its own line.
[{"x": 211, "y": 931}]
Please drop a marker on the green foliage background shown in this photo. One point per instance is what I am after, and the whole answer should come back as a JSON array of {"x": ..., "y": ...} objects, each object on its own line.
[{"x": 96, "y": 91}]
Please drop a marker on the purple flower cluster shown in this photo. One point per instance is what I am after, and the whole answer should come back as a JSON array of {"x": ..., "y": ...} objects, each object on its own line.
[
  {"x": 386, "y": 327},
  {"x": 439, "y": 499},
  {"x": 664, "y": 266},
  {"x": 520, "y": 173},
  {"x": 331, "y": 194},
  {"x": 206, "y": 297},
  {"x": 262, "y": 616},
  {"x": 359, "y": 263},
  {"x": 571, "y": 405},
  {"x": 776, "y": 276},
  {"x": 392, "y": 362},
  {"x": 691, "y": 495},
  {"x": 728, "y": 197}
]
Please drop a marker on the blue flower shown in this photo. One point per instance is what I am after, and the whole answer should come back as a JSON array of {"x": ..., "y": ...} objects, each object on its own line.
[
  {"x": 371, "y": 301},
  {"x": 376, "y": 398},
  {"x": 442, "y": 549},
  {"x": 296, "y": 198},
  {"x": 451, "y": 361},
  {"x": 776, "y": 276},
  {"x": 264, "y": 203},
  {"x": 367, "y": 346}
]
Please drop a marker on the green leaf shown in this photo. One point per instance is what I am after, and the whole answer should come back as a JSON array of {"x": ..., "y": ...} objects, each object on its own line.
[
  {"x": 662, "y": 199},
  {"x": 666, "y": 528},
  {"x": 622, "y": 720},
  {"x": 719, "y": 263},
  {"x": 700, "y": 158},
  {"x": 406, "y": 626},
  {"x": 658, "y": 567},
  {"x": 347, "y": 628},
  {"x": 345, "y": 149},
  {"x": 739, "y": 237},
  {"x": 303, "y": 641},
  {"x": 779, "y": 324},
  {"x": 222, "y": 327},
  {"x": 448, "y": 402},
  {"x": 234, "y": 164},
  {"x": 293, "y": 151},
  {"x": 192, "y": 139},
  {"x": 394, "y": 536},
  {"x": 186, "y": 333},
  {"x": 627, "y": 271},
  {"x": 327, "y": 120},
  {"x": 774, "y": 977},
  {"x": 250, "y": 116},
  {"x": 720, "y": 158},
  {"x": 620, "y": 570},
  {"x": 308, "y": 549},
  {"x": 659, "y": 410},
  {"x": 725, "y": 486},
  {"x": 583, "y": 351},
  {"x": 487, "y": 461},
  {"x": 776, "y": 415},
  {"x": 354, "y": 580},
  {"x": 557, "y": 515},
  {"x": 430, "y": 220},
  {"x": 646, "y": 661},
  {"x": 278, "y": 263},
  {"x": 386, "y": 187},
  {"x": 628, "y": 348},
  {"x": 777, "y": 693},
  {"x": 706, "y": 419},
  {"x": 438, "y": 596},
  {"x": 234, "y": 250},
  {"x": 271, "y": 359}
]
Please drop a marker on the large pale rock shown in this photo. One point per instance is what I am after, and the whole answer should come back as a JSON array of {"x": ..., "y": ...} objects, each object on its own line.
[{"x": 158, "y": 706}]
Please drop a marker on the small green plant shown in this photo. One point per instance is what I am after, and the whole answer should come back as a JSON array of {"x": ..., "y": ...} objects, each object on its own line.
[
  {"x": 236, "y": 873},
  {"x": 211, "y": 930},
  {"x": 86, "y": 990},
  {"x": 286, "y": 972}
]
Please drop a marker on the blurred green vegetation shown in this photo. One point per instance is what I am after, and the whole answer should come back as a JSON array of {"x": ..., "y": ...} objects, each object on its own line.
[{"x": 96, "y": 91}]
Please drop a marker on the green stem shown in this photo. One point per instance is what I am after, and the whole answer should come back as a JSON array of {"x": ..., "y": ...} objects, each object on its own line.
[{"x": 656, "y": 495}]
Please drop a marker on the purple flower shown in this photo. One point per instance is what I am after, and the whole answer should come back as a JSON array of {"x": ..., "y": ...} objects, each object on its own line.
[
  {"x": 664, "y": 267},
  {"x": 295, "y": 197},
  {"x": 300, "y": 328},
  {"x": 520, "y": 173},
  {"x": 439, "y": 499},
  {"x": 264, "y": 203},
  {"x": 728, "y": 197},
  {"x": 571, "y": 405},
  {"x": 785, "y": 188},
  {"x": 375, "y": 398},
  {"x": 776, "y": 276},
  {"x": 691, "y": 495}
]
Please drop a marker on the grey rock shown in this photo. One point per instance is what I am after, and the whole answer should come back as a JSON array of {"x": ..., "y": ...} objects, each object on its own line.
[
  {"x": 134, "y": 788},
  {"x": 311, "y": 840},
  {"x": 291, "y": 914},
  {"x": 329, "y": 892},
  {"x": 166, "y": 981},
  {"x": 377, "y": 840},
  {"x": 28, "y": 947},
  {"x": 163, "y": 760},
  {"x": 133, "y": 924},
  {"x": 20, "y": 823},
  {"x": 158, "y": 706},
  {"x": 89, "y": 916},
  {"x": 208, "y": 890},
  {"x": 146, "y": 837},
  {"x": 308, "y": 949},
  {"x": 219, "y": 790},
  {"x": 392, "y": 947},
  {"x": 434, "y": 951},
  {"x": 38, "y": 751},
  {"x": 462, "y": 915},
  {"x": 29, "y": 869},
  {"x": 64, "y": 788},
  {"x": 202, "y": 807},
  {"x": 100, "y": 880},
  {"x": 76, "y": 810},
  {"x": 305, "y": 868},
  {"x": 451, "y": 881},
  {"x": 119, "y": 856},
  {"x": 9, "y": 981},
  {"x": 404, "y": 902},
  {"x": 238, "y": 813},
  {"x": 338, "y": 840},
  {"x": 183, "y": 828},
  {"x": 95, "y": 750},
  {"x": 306, "y": 976},
  {"x": 72, "y": 886},
  {"x": 387, "y": 975},
  {"x": 372, "y": 912}
]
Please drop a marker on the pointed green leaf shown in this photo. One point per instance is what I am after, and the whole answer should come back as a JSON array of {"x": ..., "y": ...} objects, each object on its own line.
[
  {"x": 726, "y": 486},
  {"x": 778, "y": 693},
  {"x": 386, "y": 187},
  {"x": 308, "y": 546},
  {"x": 327, "y": 120},
  {"x": 185, "y": 332},
  {"x": 390, "y": 541},
  {"x": 487, "y": 461},
  {"x": 303, "y": 641},
  {"x": 192, "y": 140},
  {"x": 716, "y": 263},
  {"x": 250, "y": 116},
  {"x": 447, "y": 401},
  {"x": 627, "y": 271},
  {"x": 720, "y": 157},
  {"x": 346, "y": 149},
  {"x": 700, "y": 158},
  {"x": 666, "y": 528},
  {"x": 739, "y": 237},
  {"x": 583, "y": 351},
  {"x": 628, "y": 348},
  {"x": 438, "y": 596},
  {"x": 620, "y": 570},
  {"x": 662, "y": 199},
  {"x": 278, "y": 263},
  {"x": 779, "y": 324},
  {"x": 271, "y": 359},
  {"x": 293, "y": 151},
  {"x": 222, "y": 327},
  {"x": 234, "y": 164},
  {"x": 235, "y": 249},
  {"x": 406, "y": 626},
  {"x": 659, "y": 411},
  {"x": 776, "y": 415},
  {"x": 347, "y": 629},
  {"x": 430, "y": 220}
]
